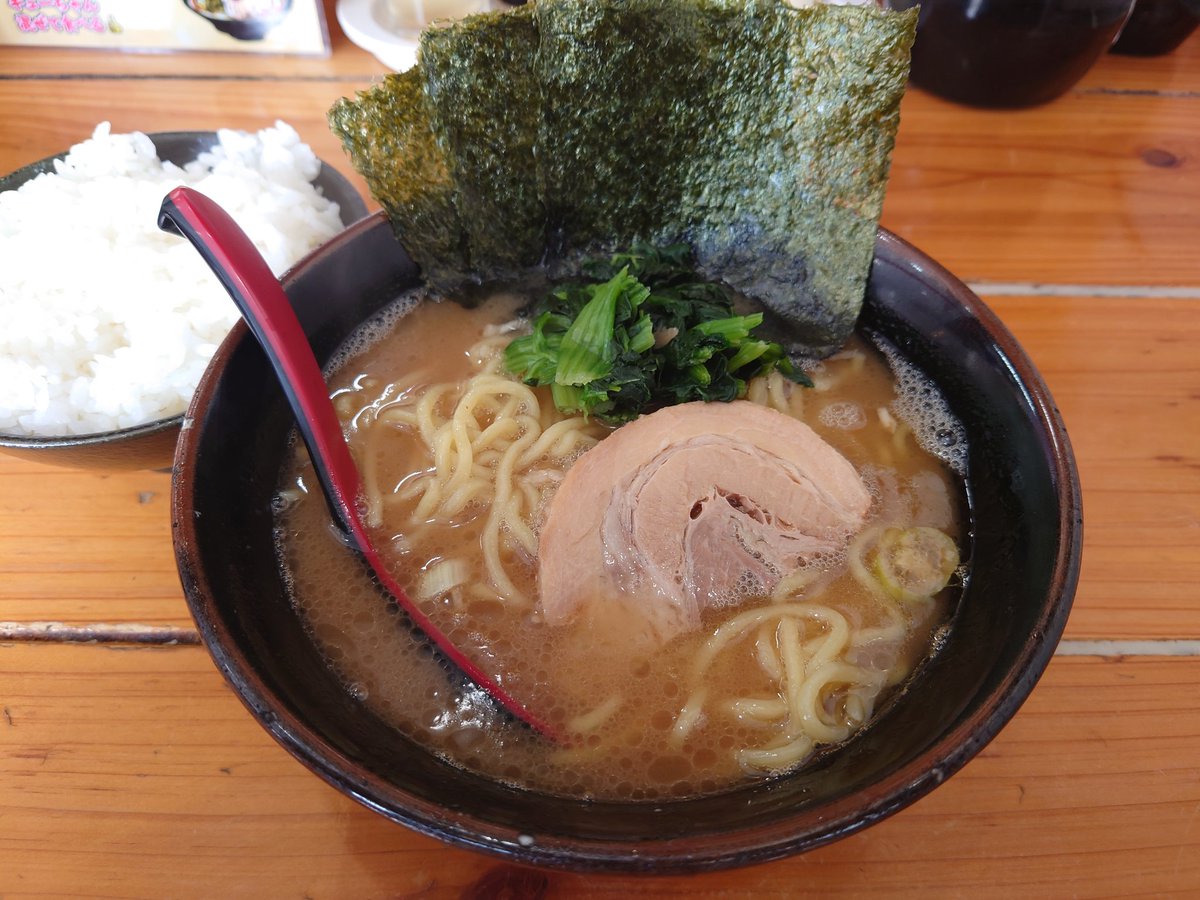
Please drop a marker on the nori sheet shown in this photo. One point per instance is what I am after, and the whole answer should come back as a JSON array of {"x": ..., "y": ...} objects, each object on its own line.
[
  {"x": 387, "y": 134},
  {"x": 794, "y": 220},
  {"x": 486, "y": 109},
  {"x": 759, "y": 133},
  {"x": 610, "y": 168}
]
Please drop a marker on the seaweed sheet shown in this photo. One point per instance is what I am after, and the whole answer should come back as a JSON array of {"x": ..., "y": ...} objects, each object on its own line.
[
  {"x": 613, "y": 169},
  {"x": 792, "y": 219},
  {"x": 387, "y": 134},
  {"x": 759, "y": 133},
  {"x": 486, "y": 110}
]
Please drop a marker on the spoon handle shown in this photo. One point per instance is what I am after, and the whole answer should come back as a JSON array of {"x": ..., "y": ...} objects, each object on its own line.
[
  {"x": 268, "y": 312},
  {"x": 263, "y": 304}
]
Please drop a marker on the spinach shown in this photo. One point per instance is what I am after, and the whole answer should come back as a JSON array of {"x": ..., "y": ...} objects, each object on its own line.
[{"x": 640, "y": 332}]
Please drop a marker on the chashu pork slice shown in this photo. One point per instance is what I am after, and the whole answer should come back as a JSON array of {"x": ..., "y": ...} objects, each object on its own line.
[{"x": 697, "y": 505}]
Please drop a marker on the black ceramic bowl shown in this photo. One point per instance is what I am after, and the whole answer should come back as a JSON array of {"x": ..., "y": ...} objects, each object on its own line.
[
  {"x": 1025, "y": 536},
  {"x": 150, "y": 445}
]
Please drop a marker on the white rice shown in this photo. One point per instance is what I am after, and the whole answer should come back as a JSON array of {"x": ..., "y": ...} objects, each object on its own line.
[{"x": 107, "y": 322}]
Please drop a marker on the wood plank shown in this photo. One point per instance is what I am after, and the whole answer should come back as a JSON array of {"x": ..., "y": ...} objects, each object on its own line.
[
  {"x": 138, "y": 774},
  {"x": 346, "y": 63},
  {"x": 1096, "y": 188},
  {"x": 84, "y": 547},
  {"x": 1126, "y": 377}
]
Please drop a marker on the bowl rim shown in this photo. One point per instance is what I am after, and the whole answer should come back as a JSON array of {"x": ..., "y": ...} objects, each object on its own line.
[
  {"x": 841, "y": 816},
  {"x": 90, "y": 438},
  {"x": 13, "y": 180}
]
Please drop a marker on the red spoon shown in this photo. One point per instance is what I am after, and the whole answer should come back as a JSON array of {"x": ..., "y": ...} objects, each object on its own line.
[{"x": 266, "y": 309}]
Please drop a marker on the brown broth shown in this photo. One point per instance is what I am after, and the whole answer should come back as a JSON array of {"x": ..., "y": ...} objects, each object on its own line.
[{"x": 573, "y": 671}]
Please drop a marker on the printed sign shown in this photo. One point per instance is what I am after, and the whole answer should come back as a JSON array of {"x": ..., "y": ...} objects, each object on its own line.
[{"x": 247, "y": 26}]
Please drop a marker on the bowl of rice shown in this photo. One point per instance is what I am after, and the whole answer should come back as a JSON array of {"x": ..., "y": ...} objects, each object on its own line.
[{"x": 110, "y": 322}]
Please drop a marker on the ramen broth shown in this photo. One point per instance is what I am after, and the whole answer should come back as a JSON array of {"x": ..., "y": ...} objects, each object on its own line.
[{"x": 694, "y": 716}]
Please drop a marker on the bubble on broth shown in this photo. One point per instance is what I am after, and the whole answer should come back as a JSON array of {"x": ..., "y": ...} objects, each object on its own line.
[
  {"x": 377, "y": 328},
  {"x": 924, "y": 409},
  {"x": 843, "y": 416}
]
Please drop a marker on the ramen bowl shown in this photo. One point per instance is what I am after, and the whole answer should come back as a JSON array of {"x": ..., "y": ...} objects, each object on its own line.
[
  {"x": 1024, "y": 548},
  {"x": 149, "y": 445}
]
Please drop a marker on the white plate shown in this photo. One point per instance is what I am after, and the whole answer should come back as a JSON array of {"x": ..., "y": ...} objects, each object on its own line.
[{"x": 391, "y": 37}]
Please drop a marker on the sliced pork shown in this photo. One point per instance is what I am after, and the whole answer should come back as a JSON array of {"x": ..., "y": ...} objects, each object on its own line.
[{"x": 693, "y": 506}]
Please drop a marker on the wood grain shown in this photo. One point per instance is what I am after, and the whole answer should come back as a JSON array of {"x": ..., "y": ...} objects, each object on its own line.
[
  {"x": 1126, "y": 376},
  {"x": 137, "y": 773},
  {"x": 1095, "y": 188},
  {"x": 82, "y": 547}
]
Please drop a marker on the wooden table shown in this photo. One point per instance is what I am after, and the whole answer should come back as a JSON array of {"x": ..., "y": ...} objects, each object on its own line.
[{"x": 129, "y": 769}]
